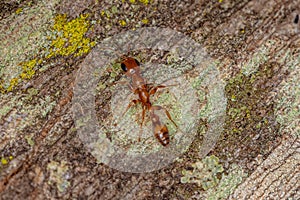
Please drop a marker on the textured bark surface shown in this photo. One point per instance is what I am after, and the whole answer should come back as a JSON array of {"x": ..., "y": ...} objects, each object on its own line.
[
  {"x": 277, "y": 177},
  {"x": 256, "y": 45}
]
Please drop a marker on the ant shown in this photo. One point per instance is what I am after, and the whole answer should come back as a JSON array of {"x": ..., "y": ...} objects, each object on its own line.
[{"x": 138, "y": 86}]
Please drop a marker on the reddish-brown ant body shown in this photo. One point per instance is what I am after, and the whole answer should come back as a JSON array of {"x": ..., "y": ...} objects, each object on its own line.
[{"x": 139, "y": 86}]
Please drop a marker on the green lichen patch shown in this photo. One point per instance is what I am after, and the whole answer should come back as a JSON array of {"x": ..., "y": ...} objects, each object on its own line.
[
  {"x": 204, "y": 173},
  {"x": 209, "y": 175},
  {"x": 227, "y": 184},
  {"x": 259, "y": 57}
]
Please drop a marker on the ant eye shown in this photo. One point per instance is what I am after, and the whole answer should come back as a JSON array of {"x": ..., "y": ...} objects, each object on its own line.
[
  {"x": 123, "y": 66},
  {"x": 137, "y": 62}
]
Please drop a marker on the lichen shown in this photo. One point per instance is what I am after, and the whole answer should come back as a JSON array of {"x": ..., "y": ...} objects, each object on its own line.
[
  {"x": 59, "y": 175},
  {"x": 28, "y": 70},
  {"x": 145, "y": 21},
  {"x": 244, "y": 95},
  {"x": 122, "y": 23},
  {"x": 146, "y": 2},
  {"x": 19, "y": 11},
  {"x": 204, "y": 173},
  {"x": 29, "y": 140},
  {"x": 68, "y": 36},
  {"x": 259, "y": 57},
  {"x": 227, "y": 184},
  {"x": 5, "y": 160},
  {"x": 287, "y": 109},
  {"x": 22, "y": 42}
]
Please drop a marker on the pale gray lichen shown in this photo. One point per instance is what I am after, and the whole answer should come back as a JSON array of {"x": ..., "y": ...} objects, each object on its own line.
[
  {"x": 227, "y": 184},
  {"x": 204, "y": 173},
  {"x": 59, "y": 175}
]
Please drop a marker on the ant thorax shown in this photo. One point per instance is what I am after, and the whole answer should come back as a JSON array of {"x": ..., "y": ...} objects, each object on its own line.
[{"x": 137, "y": 81}]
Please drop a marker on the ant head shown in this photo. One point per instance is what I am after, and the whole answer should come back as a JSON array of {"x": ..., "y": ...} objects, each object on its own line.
[{"x": 130, "y": 66}]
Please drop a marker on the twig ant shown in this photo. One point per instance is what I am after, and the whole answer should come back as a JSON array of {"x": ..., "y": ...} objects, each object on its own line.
[{"x": 139, "y": 86}]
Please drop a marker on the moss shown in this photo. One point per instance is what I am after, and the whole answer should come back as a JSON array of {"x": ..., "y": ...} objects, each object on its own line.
[{"x": 68, "y": 37}]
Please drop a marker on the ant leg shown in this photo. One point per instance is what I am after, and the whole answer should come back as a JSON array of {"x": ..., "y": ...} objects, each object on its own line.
[
  {"x": 123, "y": 83},
  {"x": 153, "y": 90},
  {"x": 118, "y": 82},
  {"x": 167, "y": 113},
  {"x": 141, "y": 125},
  {"x": 132, "y": 103}
]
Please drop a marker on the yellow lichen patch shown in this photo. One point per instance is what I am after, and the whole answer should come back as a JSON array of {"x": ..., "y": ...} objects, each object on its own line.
[
  {"x": 28, "y": 69},
  {"x": 144, "y": 2},
  {"x": 19, "y": 10},
  {"x": 122, "y": 22},
  {"x": 145, "y": 21},
  {"x": 4, "y": 161},
  {"x": 27, "y": 73},
  {"x": 23, "y": 37},
  {"x": 69, "y": 37},
  {"x": 105, "y": 13},
  {"x": 2, "y": 89},
  {"x": 13, "y": 83}
]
